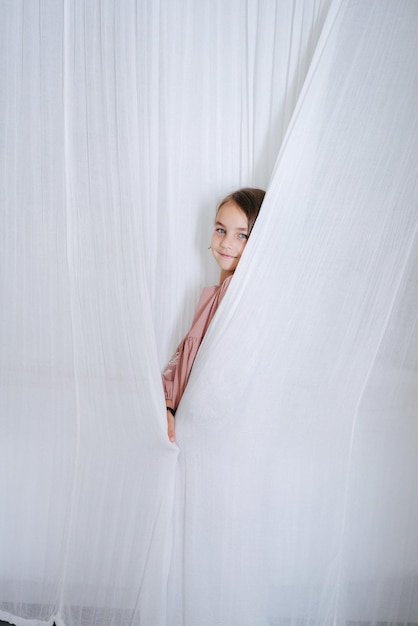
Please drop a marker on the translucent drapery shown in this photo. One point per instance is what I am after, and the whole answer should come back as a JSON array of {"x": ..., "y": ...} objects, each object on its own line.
[{"x": 291, "y": 494}]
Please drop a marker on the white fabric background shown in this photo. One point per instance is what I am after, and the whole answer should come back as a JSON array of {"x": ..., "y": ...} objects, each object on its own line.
[{"x": 290, "y": 496}]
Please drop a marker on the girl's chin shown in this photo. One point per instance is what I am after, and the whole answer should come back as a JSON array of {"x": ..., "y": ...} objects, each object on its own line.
[{"x": 227, "y": 267}]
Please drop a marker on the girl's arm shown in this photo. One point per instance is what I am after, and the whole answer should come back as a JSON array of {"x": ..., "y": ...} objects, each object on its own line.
[
  {"x": 168, "y": 377},
  {"x": 170, "y": 422}
]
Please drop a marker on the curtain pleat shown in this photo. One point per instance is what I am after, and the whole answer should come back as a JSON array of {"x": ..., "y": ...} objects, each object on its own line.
[{"x": 289, "y": 496}]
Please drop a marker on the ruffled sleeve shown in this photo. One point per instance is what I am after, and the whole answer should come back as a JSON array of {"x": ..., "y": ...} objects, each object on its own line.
[{"x": 176, "y": 374}]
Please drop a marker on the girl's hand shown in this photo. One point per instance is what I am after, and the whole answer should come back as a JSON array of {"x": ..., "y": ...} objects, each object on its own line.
[{"x": 170, "y": 427}]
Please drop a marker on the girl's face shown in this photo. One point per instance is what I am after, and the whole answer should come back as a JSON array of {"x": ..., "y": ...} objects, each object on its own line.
[{"x": 230, "y": 237}]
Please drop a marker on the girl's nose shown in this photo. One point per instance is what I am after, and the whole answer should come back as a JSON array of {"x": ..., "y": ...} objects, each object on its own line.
[{"x": 226, "y": 242}]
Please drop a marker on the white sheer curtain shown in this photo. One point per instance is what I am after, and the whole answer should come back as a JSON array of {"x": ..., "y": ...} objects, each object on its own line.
[{"x": 290, "y": 496}]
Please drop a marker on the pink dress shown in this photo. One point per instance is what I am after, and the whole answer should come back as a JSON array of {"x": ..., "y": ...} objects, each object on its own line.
[{"x": 177, "y": 372}]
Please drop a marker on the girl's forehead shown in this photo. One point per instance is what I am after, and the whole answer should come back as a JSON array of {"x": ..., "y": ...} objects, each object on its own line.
[{"x": 232, "y": 214}]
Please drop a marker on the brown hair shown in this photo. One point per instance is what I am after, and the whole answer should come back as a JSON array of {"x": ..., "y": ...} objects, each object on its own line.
[{"x": 249, "y": 200}]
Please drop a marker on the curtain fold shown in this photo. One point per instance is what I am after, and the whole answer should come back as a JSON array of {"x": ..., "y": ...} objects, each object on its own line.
[{"x": 290, "y": 496}]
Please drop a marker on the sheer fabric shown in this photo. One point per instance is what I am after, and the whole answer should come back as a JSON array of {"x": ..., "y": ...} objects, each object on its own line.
[{"x": 290, "y": 496}]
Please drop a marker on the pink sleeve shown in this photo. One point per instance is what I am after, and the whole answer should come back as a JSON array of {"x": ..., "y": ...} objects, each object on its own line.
[
  {"x": 169, "y": 374},
  {"x": 176, "y": 374}
]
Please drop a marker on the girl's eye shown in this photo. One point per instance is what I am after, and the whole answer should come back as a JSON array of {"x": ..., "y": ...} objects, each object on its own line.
[
  {"x": 243, "y": 236},
  {"x": 221, "y": 231}
]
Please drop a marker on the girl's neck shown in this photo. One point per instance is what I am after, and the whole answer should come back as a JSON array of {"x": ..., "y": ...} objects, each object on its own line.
[{"x": 224, "y": 275}]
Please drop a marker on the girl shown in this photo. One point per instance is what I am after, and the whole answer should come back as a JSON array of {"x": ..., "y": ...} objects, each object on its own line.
[{"x": 235, "y": 217}]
